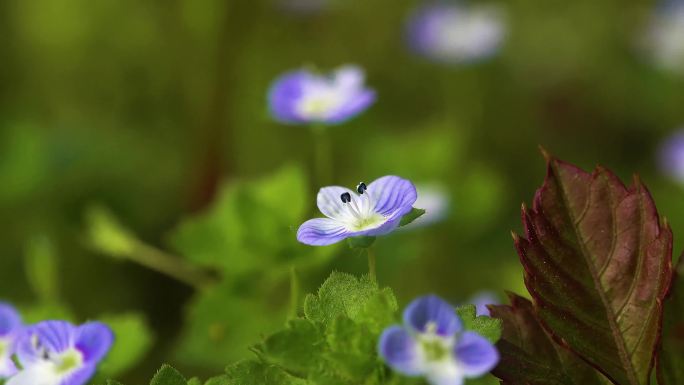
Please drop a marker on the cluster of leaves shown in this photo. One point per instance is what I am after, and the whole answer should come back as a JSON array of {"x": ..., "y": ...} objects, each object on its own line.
[
  {"x": 598, "y": 266},
  {"x": 333, "y": 343}
]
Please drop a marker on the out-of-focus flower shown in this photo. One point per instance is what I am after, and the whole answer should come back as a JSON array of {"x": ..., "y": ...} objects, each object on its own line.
[
  {"x": 10, "y": 327},
  {"x": 671, "y": 156},
  {"x": 434, "y": 199},
  {"x": 371, "y": 210},
  {"x": 432, "y": 343},
  {"x": 455, "y": 32},
  {"x": 665, "y": 36},
  {"x": 481, "y": 300},
  {"x": 304, "y": 97},
  {"x": 59, "y": 353}
]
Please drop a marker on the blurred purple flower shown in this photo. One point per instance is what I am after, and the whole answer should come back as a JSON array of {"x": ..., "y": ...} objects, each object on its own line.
[
  {"x": 664, "y": 38},
  {"x": 453, "y": 32},
  {"x": 304, "y": 97},
  {"x": 434, "y": 199},
  {"x": 59, "y": 353},
  {"x": 671, "y": 156},
  {"x": 10, "y": 327},
  {"x": 481, "y": 300},
  {"x": 377, "y": 209},
  {"x": 432, "y": 343}
]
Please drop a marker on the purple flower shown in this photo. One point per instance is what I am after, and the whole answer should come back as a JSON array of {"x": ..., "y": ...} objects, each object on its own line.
[
  {"x": 59, "y": 353},
  {"x": 10, "y": 327},
  {"x": 433, "y": 344},
  {"x": 304, "y": 97},
  {"x": 371, "y": 210},
  {"x": 664, "y": 37},
  {"x": 481, "y": 300},
  {"x": 456, "y": 33},
  {"x": 671, "y": 156}
]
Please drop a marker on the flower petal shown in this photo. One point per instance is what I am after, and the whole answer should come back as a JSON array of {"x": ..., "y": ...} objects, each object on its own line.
[
  {"x": 330, "y": 203},
  {"x": 93, "y": 340},
  {"x": 401, "y": 352},
  {"x": 481, "y": 300},
  {"x": 354, "y": 104},
  {"x": 432, "y": 310},
  {"x": 55, "y": 336},
  {"x": 445, "y": 372},
  {"x": 392, "y": 195},
  {"x": 475, "y": 354},
  {"x": 42, "y": 373},
  {"x": 80, "y": 377},
  {"x": 284, "y": 95},
  {"x": 10, "y": 320},
  {"x": 321, "y": 232}
]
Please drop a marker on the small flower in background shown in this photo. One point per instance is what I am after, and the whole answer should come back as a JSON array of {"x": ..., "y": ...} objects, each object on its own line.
[
  {"x": 434, "y": 199},
  {"x": 375, "y": 209},
  {"x": 664, "y": 38},
  {"x": 432, "y": 343},
  {"x": 671, "y": 156},
  {"x": 456, "y": 32},
  {"x": 10, "y": 327},
  {"x": 481, "y": 300},
  {"x": 305, "y": 97},
  {"x": 59, "y": 353}
]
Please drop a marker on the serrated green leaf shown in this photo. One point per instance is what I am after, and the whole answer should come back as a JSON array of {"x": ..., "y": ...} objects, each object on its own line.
[
  {"x": 411, "y": 216},
  {"x": 530, "y": 356},
  {"x": 133, "y": 341},
  {"x": 670, "y": 364},
  {"x": 297, "y": 348},
  {"x": 257, "y": 373},
  {"x": 168, "y": 376},
  {"x": 352, "y": 349},
  {"x": 487, "y": 327},
  {"x": 356, "y": 298},
  {"x": 598, "y": 264}
]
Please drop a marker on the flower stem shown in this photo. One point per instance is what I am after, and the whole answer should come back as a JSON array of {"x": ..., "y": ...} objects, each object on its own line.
[
  {"x": 371, "y": 264},
  {"x": 294, "y": 293},
  {"x": 323, "y": 155}
]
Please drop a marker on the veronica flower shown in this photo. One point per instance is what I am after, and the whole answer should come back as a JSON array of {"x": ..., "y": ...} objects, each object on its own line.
[
  {"x": 304, "y": 97},
  {"x": 59, "y": 353},
  {"x": 671, "y": 156},
  {"x": 665, "y": 35},
  {"x": 432, "y": 344},
  {"x": 10, "y": 327},
  {"x": 375, "y": 209},
  {"x": 455, "y": 32},
  {"x": 481, "y": 300}
]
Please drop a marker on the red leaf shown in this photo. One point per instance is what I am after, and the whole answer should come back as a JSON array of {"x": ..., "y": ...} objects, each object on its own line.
[
  {"x": 598, "y": 264},
  {"x": 529, "y": 356}
]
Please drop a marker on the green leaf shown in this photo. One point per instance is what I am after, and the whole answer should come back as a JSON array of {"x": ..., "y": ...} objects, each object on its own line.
[
  {"x": 597, "y": 263},
  {"x": 352, "y": 349},
  {"x": 112, "y": 382},
  {"x": 194, "y": 381},
  {"x": 41, "y": 268},
  {"x": 251, "y": 227},
  {"x": 257, "y": 373},
  {"x": 107, "y": 235},
  {"x": 488, "y": 327},
  {"x": 297, "y": 348},
  {"x": 362, "y": 242},
  {"x": 359, "y": 299},
  {"x": 529, "y": 355},
  {"x": 168, "y": 376},
  {"x": 411, "y": 216},
  {"x": 133, "y": 340},
  {"x": 671, "y": 360}
]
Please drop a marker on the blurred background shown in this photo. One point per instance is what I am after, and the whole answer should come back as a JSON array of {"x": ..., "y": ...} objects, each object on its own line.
[{"x": 144, "y": 182}]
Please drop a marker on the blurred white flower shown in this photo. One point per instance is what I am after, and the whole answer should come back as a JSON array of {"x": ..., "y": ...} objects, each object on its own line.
[
  {"x": 664, "y": 38},
  {"x": 434, "y": 199}
]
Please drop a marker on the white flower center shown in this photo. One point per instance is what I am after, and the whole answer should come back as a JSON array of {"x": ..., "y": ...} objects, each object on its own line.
[
  {"x": 437, "y": 355},
  {"x": 360, "y": 215}
]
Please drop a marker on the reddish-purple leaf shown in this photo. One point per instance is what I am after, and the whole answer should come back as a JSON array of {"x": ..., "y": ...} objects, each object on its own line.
[
  {"x": 530, "y": 356},
  {"x": 598, "y": 264}
]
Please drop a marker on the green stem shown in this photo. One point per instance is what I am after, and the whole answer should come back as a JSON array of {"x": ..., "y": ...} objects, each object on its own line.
[
  {"x": 371, "y": 264},
  {"x": 294, "y": 293},
  {"x": 172, "y": 266},
  {"x": 323, "y": 155}
]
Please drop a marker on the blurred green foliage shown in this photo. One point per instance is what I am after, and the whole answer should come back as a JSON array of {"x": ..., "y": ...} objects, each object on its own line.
[{"x": 155, "y": 112}]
